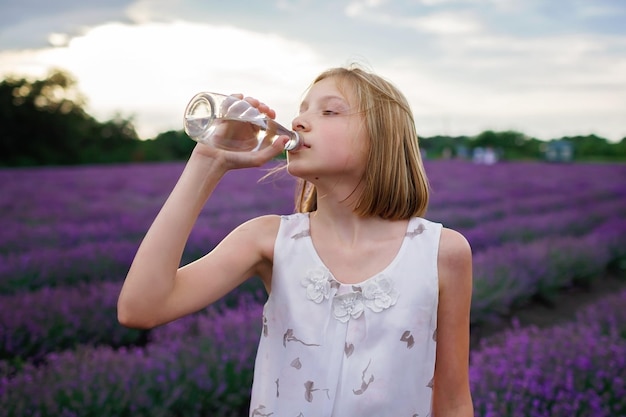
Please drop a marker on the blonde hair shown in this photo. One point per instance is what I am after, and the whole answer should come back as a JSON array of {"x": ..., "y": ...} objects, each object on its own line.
[{"x": 395, "y": 182}]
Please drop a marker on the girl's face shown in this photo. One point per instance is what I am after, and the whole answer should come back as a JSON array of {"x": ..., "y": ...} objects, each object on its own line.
[{"x": 334, "y": 136}]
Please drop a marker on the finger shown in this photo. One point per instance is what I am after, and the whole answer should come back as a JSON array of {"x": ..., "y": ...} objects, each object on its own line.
[
  {"x": 253, "y": 101},
  {"x": 276, "y": 148},
  {"x": 243, "y": 109},
  {"x": 270, "y": 152},
  {"x": 263, "y": 108},
  {"x": 237, "y": 160}
]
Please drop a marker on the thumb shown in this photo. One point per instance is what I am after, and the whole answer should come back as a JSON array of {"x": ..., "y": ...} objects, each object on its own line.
[
  {"x": 277, "y": 147},
  {"x": 264, "y": 155}
]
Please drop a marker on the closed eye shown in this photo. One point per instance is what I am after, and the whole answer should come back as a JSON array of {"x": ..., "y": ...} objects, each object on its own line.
[{"x": 329, "y": 113}]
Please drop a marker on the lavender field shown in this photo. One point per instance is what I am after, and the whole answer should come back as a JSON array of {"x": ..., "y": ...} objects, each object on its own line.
[{"x": 68, "y": 235}]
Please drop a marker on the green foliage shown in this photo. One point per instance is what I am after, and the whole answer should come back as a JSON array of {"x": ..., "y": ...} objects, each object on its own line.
[
  {"x": 43, "y": 122},
  {"x": 436, "y": 146},
  {"x": 595, "y": 147},
  {"x": 513, "y": 145},
  {"x": 171, "y": 145}
]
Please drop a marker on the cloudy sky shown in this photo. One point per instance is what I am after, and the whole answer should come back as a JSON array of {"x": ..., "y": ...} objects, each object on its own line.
[{"x": 544, "y": 68}]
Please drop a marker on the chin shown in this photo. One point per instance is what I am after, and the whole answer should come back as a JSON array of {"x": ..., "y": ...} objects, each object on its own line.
[
  {"x": 296, "y": 169},
  {"x": 292, "y": 168}
]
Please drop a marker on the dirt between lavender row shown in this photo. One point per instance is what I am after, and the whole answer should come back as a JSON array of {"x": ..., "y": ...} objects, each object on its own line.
[{"x": 561, "y": 309}]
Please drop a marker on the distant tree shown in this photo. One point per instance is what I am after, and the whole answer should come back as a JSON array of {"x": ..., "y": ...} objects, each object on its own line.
[
  {"x": 620, "y": 149},
  {"x": 170, "y": 145},
  {"x": 594, "y": 147},
  {"x": 112, "y": 141},
  {"x": 437, "y": 146},
  {"x": 509, "y": 144},
  {"x": 44, "y": 122}
]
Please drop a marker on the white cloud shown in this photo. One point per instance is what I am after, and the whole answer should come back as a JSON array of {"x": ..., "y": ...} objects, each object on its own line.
[
  {"x": 445, "y": 23},
  {"x": 563, "y": 62},
  {"x": 152, "y": 70},
  {"x": 591, "y": 10},
  {"x": 438, "y": 23},
  {"x": 436, "y": 3},
  {"x": 58, "y": 39},
  {"x": 361, "y": 8},
  {"x": 539, "y": 104}
]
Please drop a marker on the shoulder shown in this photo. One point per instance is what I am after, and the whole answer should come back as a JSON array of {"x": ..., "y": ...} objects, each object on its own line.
[
  {"x": 256, "y": 237},
  {"x": 263, "y": 223},
  {"x": 271, "y": 223},
  {"x": 257, "y": 232},
  {"x": 453, "y": 246},
  {"x": 261, "y": 230},
  {"x": 268, "y": 226},
  {"x": 454, "y": 259}
]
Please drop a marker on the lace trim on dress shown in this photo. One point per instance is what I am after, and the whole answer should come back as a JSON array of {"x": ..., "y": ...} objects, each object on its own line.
[{"x": 376, "y": 294}]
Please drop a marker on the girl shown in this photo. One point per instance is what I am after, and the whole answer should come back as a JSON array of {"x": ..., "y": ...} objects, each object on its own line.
[{"x": 368, "y": 307}]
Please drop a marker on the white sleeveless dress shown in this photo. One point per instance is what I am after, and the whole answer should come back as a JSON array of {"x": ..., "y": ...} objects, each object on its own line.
[{"x": 332, "y": 349}]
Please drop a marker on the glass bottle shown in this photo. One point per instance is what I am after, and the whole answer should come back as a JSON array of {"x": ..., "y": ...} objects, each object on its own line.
[{"x": 229, "y": 123}]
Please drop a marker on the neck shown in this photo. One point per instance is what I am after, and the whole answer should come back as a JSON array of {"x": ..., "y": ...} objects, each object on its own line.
[
  {"x": 349, "y": 228},
  {"x": 335, "y": 213}
]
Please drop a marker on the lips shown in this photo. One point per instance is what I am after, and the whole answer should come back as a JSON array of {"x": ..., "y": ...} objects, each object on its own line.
[
  {"x": 300, "y": 148},
  {"x": 303, "y": 144}
]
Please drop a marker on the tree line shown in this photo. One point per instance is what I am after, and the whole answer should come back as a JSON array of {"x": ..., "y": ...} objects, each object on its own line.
[{"x": 44, "y": 122}]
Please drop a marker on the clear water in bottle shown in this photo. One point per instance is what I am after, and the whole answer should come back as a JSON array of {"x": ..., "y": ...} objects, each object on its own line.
[{"x": 229, "y": 123}]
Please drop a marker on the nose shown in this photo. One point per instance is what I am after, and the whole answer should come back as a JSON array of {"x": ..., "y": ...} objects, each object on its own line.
[{"x": 299, "y": 123}]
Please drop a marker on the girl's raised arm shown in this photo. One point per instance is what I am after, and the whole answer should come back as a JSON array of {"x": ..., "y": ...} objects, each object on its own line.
[{"x": 156, "y": 291}]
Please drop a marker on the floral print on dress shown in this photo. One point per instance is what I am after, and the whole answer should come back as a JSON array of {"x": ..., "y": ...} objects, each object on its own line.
[{"x": 376, "y": 294}]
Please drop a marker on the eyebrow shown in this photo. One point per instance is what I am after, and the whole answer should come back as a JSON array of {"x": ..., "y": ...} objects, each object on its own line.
[{"x": 325, "y": 99}]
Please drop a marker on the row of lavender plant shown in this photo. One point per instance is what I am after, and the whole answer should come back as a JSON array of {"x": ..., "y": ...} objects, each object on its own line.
[
  {"x": 108, "y": 260},
  {"x": 465, "y": 185},
  {"x": 204, "y": 369},
  {"x": 577, "y": 369},
  {"x": 509, "y": 275},
  {"x": 473, "y": 215},
  {"x": 35, "y": 324},
  {"x": 89, "y": 231},
  {"x": 571, "y": 221},
  {"x": 51, "y": 238},
  {"x": 70, "y": 207},
  {"x": 40, "y": 322},
  {"x": 202, "y": 366}
]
